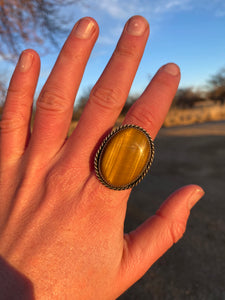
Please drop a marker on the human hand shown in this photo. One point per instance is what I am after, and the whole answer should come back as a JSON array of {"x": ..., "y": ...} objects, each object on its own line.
[{"x": 59, "y": 226}]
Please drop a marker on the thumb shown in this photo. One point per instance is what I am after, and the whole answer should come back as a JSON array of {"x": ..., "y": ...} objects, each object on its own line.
[{"x": 154, "y": 237}]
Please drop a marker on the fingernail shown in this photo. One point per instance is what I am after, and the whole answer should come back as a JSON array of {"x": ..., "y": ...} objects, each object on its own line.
[
  {"x": 171, "y": 69},
  {"x": 84, "y": 28},
  {"x": 196, "y": 196},
  {"x": 136, "y": 26},
  {"x": 25, "y": 61}
]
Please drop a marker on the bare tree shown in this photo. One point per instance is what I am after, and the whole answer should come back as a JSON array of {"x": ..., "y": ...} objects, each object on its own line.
[
  {"x": 30, "y": 22},
  {"x": 217, "y": 87},
  {"x": 218, "y": 79},
  {"x": 3, "y": 91},
  {"x": 33, "y": 21},
  {"x": 187, "y": 98}
]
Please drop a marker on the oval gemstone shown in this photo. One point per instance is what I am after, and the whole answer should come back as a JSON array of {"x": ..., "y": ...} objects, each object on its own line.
[{"x": 125, "y": 156}]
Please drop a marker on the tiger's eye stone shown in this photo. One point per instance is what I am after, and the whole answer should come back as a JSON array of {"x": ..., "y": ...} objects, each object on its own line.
[{"x": 125, "y": 157}]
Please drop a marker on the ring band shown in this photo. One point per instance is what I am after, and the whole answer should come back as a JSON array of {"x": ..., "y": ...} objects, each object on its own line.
[{"x": 124, "y": 157}]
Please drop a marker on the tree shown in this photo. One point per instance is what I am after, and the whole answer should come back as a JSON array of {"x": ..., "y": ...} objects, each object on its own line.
[
  {"x": 217, "y": 86},
  {"x": 187, "y": 98},
  {"x": 29, "y": 22},
  {"x": 2, "y": 91},
  {"x": 218, "y": 79},
  {"x": 33, "y": 21},
  {"x": 2, "y": 95}
]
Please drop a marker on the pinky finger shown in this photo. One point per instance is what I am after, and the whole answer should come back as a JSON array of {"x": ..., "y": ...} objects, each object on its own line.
[{"x": 15, "y": 123}]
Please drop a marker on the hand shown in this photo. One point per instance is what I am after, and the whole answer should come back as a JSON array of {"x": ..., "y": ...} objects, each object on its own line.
[{"x": 59, "y": 226}]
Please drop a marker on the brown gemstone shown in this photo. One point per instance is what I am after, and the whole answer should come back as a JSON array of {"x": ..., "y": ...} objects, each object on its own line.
[{"x": 125, "y": 157}]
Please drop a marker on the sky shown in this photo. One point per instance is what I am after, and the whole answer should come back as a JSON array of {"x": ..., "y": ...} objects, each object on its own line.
[{"x": 190, "y": 33}]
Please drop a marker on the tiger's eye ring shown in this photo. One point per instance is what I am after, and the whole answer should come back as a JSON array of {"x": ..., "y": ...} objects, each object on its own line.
[{"x": 124, "y": 157}]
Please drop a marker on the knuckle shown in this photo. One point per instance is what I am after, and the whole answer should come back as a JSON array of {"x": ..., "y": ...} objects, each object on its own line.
[
  {"x": 174, "y": 229},
  {"x": 106, "y": 98},
  {"x": 139, "y": 115},
  {"x": 53, "y": 182},
  {"x": 73, "y": 56},
  {"x": 52, "y": 102},
  {"x": 177, "y": 230},
  {"x": 129, "y": 51},
  {"x": 59, "y": 180},
  {"x": 52, "y": 178},
  {"x": 14, "y": 92},
  {"x": 12, "y": 122}
]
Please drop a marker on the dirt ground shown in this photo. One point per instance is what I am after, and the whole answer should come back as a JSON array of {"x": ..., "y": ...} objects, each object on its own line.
[{"x": 194, "y": 268}]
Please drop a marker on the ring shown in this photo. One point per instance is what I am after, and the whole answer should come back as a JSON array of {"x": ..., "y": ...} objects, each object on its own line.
[{"x": 124, "y": 157}]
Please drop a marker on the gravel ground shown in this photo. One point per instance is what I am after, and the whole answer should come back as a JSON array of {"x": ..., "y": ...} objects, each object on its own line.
[{"x": 194, "y": 268}]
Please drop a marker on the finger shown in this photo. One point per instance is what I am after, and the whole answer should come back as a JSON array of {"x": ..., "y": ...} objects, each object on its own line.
[
  {"x": 110, "y": 92},
  {"x": 55, "y": 104},
  {"x": 152, "y": 107},
  {"x": 15, "y": 123},
  {"x": 154, "y": 237}
]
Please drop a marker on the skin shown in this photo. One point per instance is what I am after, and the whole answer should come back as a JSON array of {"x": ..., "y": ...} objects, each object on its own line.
[{"x": 59, "y": 226}]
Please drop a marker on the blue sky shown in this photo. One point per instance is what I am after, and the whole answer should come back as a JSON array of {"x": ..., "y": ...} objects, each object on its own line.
[{"x": 190, "y": 33}]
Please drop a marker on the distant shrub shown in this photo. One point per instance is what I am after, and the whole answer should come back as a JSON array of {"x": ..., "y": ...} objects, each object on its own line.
[{"x": 187, "y": 98}]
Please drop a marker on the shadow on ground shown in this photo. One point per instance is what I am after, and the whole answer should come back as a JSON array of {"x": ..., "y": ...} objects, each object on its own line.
[{"x": 194, "y": 268}]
